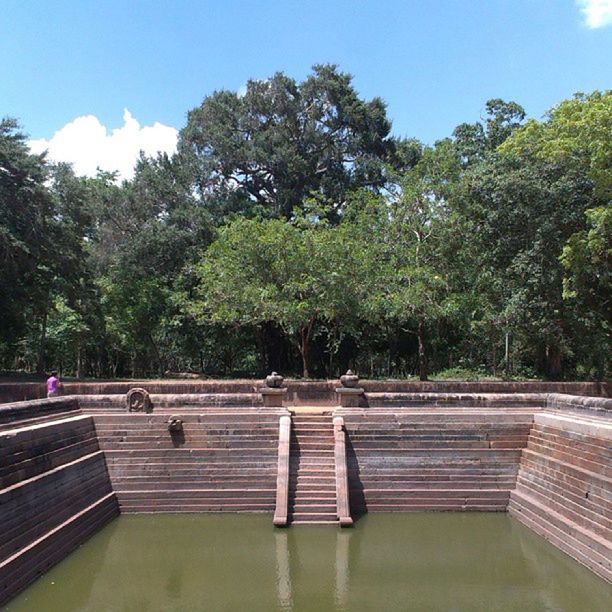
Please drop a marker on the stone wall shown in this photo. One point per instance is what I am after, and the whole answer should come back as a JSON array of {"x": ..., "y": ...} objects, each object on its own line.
[
  {"x": 564, "y": 490},
  {"x": 299, "y": 392},
  {"x": 54, "y": 489},
  {"x": 68, "y": 465},
  {"x": 450, "y": 453},
  {"x": 221, "y": 459}
]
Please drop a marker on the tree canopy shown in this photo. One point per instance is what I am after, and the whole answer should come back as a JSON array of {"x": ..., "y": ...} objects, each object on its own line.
[
  {"x": 283, "y": 141},
  {"x": 292, "y": 231}
]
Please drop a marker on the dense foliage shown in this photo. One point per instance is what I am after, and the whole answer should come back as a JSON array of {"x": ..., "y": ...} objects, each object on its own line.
[{"x": 292, "y": 231}]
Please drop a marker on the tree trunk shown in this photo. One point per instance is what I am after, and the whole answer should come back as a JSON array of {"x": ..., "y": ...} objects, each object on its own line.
[
  {"x": 158, "y": 357},
  {"x": 305, "y": 337},
  {"x": 79, "y": 365},
  {"x": 260, "y": 340},
  {"x": 553, "y": 362},
  {"x": 422, "y": 351},
  {"x": 40, "y": 363}
]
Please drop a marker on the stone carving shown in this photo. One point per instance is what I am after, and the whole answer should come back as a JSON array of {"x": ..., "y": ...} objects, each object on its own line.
[
  {"x": 138, "y": 400},
  {"x": 274, "y": 380},
  {"x": 349, "y": 380},
  {"x": 175, "y": 424}
]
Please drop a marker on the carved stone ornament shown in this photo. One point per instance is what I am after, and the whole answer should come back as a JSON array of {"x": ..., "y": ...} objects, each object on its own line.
[
  {"x": 175, "y": 424},
  {"x": 274, "y": 380},
  {"x": 138, "y": 400},
  {"x": 349, "y": 380}
]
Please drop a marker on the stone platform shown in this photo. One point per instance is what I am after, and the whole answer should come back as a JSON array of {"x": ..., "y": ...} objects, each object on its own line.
[{"x": 69, "y": 465}]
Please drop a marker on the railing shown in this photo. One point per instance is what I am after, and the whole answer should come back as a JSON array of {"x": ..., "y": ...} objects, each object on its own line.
[
  {"x": 282, "y": 478},
  {"x": 342, "y": 497}
]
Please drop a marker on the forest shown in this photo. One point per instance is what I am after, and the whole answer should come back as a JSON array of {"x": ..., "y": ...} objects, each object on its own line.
[{"x": 293, "y": 231}]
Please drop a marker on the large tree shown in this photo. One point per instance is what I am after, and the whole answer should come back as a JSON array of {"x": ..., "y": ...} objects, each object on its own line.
[
  {"x": 282, "y": 142},
  {"x": 261, "y": 272}
]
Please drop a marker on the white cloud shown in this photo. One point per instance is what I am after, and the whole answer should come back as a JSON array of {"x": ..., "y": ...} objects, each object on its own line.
[
  {"x": 87, "y": 144},
  {"x": 597, "y": 13}
]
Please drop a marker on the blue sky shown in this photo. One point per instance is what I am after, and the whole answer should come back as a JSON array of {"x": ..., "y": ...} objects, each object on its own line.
[{"x": 435, "y": 63}]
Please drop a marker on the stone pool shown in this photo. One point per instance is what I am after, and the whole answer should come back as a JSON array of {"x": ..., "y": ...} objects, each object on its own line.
[{"x": 412, "y": 561}]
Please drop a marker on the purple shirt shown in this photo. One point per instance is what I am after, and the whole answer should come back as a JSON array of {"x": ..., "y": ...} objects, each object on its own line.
[{"x": 52, "y": 385}]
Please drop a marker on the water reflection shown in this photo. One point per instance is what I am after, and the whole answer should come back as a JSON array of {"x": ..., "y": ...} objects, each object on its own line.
[
  {"x": 386, "y": 562},
  {"x": 283, "y": 570},
  {"x": 343, "y": 542}
]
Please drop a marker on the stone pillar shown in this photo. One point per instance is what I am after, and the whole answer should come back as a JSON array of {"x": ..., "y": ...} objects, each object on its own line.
[
  {"x": 349, "y": 394},
  {"x": 273, "y": 393}
]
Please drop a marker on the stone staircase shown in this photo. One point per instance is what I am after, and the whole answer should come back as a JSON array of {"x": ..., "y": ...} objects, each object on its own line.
[{"x": 312, "y": 475}]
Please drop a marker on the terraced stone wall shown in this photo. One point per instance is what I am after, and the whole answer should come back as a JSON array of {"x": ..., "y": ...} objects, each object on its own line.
[
  {"x": 69, "y": 465},
  {"x": 223, "y": 459},
  {"x": 564, "y": 490},
  {"x": 444, "y": 452},
  {"x": 54, "y": 488}
]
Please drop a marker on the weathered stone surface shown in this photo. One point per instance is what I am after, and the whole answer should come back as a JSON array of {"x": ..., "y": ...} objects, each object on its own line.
[
  {"x": 54, "y": 488},
  {"x": 281, "y": 511},
  {"x": 273, "y": 397},
  {"x": 547, "y": 457},
  {"x": 138, "y": 400},
  {"x": 299, "y": 392},
  {"x": 564, "y": 486}
]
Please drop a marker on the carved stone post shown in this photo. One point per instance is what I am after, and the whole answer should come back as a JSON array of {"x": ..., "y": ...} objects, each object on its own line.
[
  {"x": 349, "y": 394},
  {"x": 273, "y": 393}
]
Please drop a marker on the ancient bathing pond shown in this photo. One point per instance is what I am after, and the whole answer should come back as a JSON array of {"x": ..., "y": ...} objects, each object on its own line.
[
  {"x": 420, "y": 561},
  {"x": 222, "y": 496}
]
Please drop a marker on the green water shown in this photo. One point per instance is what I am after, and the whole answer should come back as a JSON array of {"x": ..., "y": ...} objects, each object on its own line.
[{"x": 402, "y": 562}]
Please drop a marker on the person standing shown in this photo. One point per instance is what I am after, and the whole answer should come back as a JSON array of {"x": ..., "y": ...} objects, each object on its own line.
[{"x": 53, "y": 384}]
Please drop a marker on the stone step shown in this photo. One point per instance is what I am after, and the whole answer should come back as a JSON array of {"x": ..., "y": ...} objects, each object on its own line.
[
  {"x": 577, "y": 442},
  {"x": 571, "y": 427},
  {"x": 37, "y": 465},
  {"x": 24, "y": 522},
  {"x": 584, "y": 546},
  {"x": 426, "y": 493},
  {"x": 313, "y": 488},
  {"x": 23, "y": 567},
  {"x": 312, "y": 467},
  {"x": 41, "y": 419},
  {"x": 581, "y": 493},
  {"x": 303, "y": 509},
  {"x": 532, "y": 457},
  {"x": 312, "y": 517},
  {"x": 460, "y": 485},
  {"x": 571, "y": 458},
  {"x": 435, "y": 444},
  {"x": 470, "y": 506},
  {"x": 201, "y": 454},
  {"x": 573, "y": 482},
  {"x": 598, "y": 456},
  {"x": 167, "y": 442},
  {"x": 594, "y": 518},
  {"x": 308, "y": 445},
  {"x": 315, "y": 522},
  {"x": 154, "y": 505},
  {"x": 195, "y": 436},
  {"x": 583, "y": 538}
]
